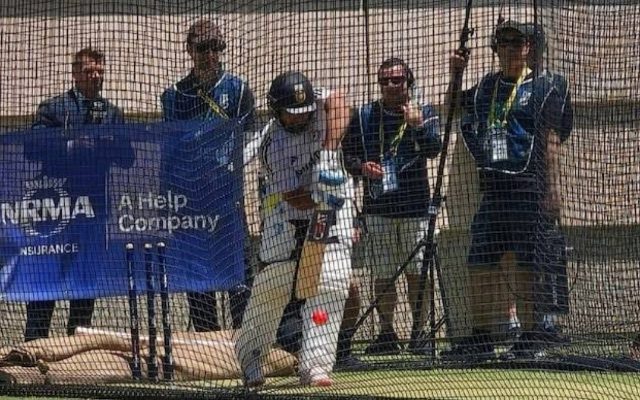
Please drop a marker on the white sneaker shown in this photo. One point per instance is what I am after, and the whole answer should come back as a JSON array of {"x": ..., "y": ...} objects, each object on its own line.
[{"x": 315, "y": 377}]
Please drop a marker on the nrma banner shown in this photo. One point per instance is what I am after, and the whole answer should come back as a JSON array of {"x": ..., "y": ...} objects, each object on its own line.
[{"x": 71, "y": 200}]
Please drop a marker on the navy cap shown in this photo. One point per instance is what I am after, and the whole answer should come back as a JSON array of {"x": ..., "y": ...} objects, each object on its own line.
[{"x": 513, "y": 25}]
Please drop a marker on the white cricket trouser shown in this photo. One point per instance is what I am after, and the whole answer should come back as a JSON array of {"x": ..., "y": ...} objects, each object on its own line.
[{"x": 272, "y": 291}]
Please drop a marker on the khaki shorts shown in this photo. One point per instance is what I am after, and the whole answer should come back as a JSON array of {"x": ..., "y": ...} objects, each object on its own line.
[{"x": 390, "y": 242}]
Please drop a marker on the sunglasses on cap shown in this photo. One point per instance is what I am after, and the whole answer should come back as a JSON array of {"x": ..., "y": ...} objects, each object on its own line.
[
  {"x": 396, "y": 80},
  {"x": 516, "y": 41},
  {"x": 209, "y": 45}
]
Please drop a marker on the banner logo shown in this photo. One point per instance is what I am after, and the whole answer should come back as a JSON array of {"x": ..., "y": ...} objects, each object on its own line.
[
  {"x": 299, "y": 93},
  {"x": 46, "y": 208},
  {"x": 170, "y": 213},
  {"x": 224, "y": 101}
]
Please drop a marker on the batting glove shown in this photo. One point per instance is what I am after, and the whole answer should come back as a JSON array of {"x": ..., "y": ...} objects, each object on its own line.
[
  {"x": 328, "y": 170},
  {"x": 329, "y": 199}
]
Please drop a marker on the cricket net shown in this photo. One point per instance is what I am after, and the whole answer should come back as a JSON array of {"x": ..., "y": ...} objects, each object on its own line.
[{"x": 590, "y": 50}]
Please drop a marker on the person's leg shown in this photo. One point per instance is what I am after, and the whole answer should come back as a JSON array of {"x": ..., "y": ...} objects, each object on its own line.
[
  {"x": 270, "y": 294},
  {"x": 483, "y": 292},
  {"x": 418, "y": 344},
  {"x": 381, "y": 253},
  {"x": 203, "y": 311},
  {"x": 552, "y": 292},
  {"x": 411, "y": 232},
  {"x": 322, "y": 316},
  {"x": 239, "y": 295},
  {"x": 525, "y": 283},
  {"x": 634, "y": 349},
  {"x": 80, "y": 314},
  {"x": 351, "y": 309},
  {"x": 344, "y": 358},
  {"x": 510, "y": 324},
  {"x": 529, "y": 345},
  {"x": 386, "y": 289},
  {"x": 238, "y": 299},
  {"x": 487, "y": 293},
  {"x": 513, "y": 325},
  {"x": 489, "y": 298},
  {"x": 39, "y": 315},
  {"x": 540, "y": 284}
]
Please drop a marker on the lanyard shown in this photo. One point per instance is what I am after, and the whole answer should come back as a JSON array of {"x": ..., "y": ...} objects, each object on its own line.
[
  {"x": 493, "y": 117},
  {"x": 212, "y": 104},
  {"x": 396, "y": 140}
]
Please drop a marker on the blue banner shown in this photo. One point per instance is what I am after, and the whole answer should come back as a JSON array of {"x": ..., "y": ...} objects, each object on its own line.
[{"x": 72, "y": 199}]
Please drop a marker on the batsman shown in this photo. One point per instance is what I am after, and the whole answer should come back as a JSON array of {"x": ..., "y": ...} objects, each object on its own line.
[{"x": 308, "y": 215}]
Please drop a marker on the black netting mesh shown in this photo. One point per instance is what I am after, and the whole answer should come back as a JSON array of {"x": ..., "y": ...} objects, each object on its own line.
[{"x": 166, "y": 207}]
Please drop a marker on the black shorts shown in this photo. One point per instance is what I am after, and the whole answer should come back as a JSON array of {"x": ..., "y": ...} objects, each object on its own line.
[{"x": 514, "y": 224}]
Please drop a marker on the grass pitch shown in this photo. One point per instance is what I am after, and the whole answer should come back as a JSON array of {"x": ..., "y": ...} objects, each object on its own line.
[{"x": 450, "y": 384}]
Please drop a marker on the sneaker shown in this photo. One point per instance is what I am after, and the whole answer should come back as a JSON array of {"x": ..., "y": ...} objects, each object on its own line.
[
  {"x": 475, "y": 348},
  {"x": 550, "y": 335},
  {"x": 349, "y": 363},
  {"x": 514, "y": 330},
  {"x": 420, "y": 344},
  {"x": 386, "y": 344},
  {"x": 634, "y": 349},
  {"x": 315, "y": 377},
  {"x": 527, "y": 347},
  {"x": 252, "y": 375}
]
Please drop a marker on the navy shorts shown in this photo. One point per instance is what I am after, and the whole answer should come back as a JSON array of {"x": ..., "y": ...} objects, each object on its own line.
[{"x": 506, "y": 224}]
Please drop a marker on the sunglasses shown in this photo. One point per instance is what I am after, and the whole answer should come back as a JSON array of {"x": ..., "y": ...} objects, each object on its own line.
[
  {"x": 396, "y": 80},
  {"x": 93, "y": 71},
  {"x": 210, "y": 45},
  {"x": 512, "y": 42}
]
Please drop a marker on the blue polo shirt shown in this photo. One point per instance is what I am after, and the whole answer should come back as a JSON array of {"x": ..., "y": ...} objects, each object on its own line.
[
  {"x": 374, "y": 130},
  {"x": 536, "y": 108}
]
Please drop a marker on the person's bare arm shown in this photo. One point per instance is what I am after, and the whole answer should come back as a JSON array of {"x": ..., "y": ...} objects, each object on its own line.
[
  {"x": 299, "y": 199},
  {"x": 457, "y": 64},
  {"x": 553, "y": 200},
  {"x": 338, "y": 114}
]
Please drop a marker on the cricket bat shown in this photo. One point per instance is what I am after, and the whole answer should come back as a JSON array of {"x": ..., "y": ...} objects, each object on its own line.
[{"x": 310, "y": 265}]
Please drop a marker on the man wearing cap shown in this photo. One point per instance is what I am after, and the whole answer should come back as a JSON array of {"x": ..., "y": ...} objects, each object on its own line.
[
  {"x": 513, "y": 130},
  {"x": 302, "y": 159},
  {"x": 552, "y": 296},
  {"x": 209, "y": 92},
  {"x": 388, "y": 144}
]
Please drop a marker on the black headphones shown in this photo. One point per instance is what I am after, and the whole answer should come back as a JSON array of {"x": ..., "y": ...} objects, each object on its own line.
[
  {"x": 410, "y": 79},
  {"x": 494, "y": 43}
]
